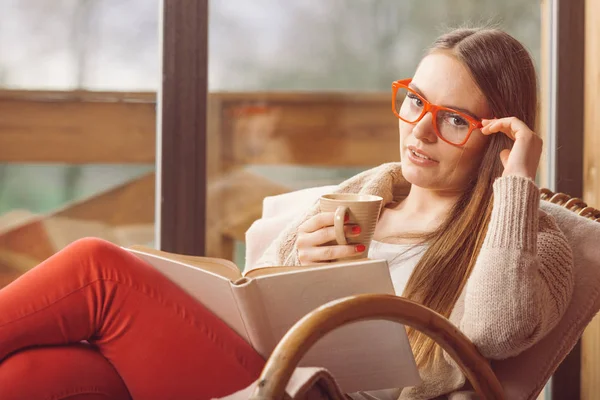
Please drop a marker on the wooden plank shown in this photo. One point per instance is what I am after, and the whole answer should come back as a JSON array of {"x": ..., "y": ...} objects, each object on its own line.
[
  {"x": 590, "y": 343},
  {"x": 85, "y": 96},
  {"x": 25, "y": 246},
  {"x": 7, "y": 276},
  {"x": 123, "y": 213},
  {"x": 256, "y": 101},
  {"x": 76, "y": 128},
  {"x": 129, "y": 204},
  {"x": 590, "y": 364},
  {"x": 327, "y": 131},
  {"x": 570, "y": 18},
  {"x": 183, "y": 127},
  {"x": 86, "y": 127},
  {"x": 240, "y": 194},
  {"x": 592, "y": 105}
]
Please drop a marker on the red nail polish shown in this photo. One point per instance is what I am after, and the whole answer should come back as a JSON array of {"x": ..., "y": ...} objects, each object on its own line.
[
  {"x": 346, "y": 218},
  {"x": 360, "y": 248},
  {"x": 356, "y": 229}
]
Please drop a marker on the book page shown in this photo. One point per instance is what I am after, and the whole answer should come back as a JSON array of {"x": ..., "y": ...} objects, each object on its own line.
[
  {"x": 219, "y": 266},
  {"x": 247, "y": 296},
  {"x": 271, "y": 270},
  {"x": 262, "y": 271},
  {"x": 212, "y": 290},
  {"x": 367, "y": 355}
]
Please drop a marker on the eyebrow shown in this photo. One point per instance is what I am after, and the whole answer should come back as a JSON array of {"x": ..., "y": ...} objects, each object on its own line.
[{"x": 462, "y": 110}]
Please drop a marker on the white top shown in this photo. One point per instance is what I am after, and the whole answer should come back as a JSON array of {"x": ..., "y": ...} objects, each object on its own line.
[{"x": 402, "y": 259}]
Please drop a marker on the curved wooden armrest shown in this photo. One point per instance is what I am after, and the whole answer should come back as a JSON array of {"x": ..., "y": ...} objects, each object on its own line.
[{"x": 305, "y": 333}]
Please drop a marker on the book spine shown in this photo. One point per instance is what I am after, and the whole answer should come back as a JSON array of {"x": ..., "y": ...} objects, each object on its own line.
[{"x": 254, "y": 316}]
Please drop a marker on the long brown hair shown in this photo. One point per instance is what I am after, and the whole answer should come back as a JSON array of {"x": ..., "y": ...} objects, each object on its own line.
[{"x": 504, "y": 71}]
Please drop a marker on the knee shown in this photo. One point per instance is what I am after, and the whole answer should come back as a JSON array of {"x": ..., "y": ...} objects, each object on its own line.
[
  {"x": 91, "y": 250},
  {"x": 93, "y": 246},
  {"x": 89, "y": 255}
]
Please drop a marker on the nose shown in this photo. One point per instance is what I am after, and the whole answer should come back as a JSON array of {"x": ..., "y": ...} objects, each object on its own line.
[{"x": 424, "y": 131}]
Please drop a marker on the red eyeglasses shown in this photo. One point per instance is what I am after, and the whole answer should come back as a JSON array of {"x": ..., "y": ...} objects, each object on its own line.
[{"x": 452, "y": 126}]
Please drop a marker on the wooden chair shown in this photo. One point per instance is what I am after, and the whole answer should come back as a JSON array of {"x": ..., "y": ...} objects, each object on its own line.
[{"x": 488, "y": 382}]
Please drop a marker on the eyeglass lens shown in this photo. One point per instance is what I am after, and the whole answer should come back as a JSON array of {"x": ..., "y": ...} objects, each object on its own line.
[{"x": 451, "y": 126}]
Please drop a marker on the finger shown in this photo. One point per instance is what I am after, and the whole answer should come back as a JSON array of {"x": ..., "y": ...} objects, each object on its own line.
[
  {"x": 496, "y": 125},
  {"x": 328, "y": 253},
  {"x": 487, "y": 123},
  {"x": 500, "y": 126},
  {"x": 511, "y": 126},
  {"x": 324, "y": 235},
  {"x": 317, "y": 222}
]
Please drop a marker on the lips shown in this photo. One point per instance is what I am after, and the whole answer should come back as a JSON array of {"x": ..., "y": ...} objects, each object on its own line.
[{"x": 420, "y": 154}]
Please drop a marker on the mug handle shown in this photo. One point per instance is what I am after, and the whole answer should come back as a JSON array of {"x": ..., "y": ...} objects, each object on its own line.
[{"x": 338, "y": 224}]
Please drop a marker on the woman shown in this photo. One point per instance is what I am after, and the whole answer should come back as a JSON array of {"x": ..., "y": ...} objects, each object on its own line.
[
  {"x": 469, "y": 236},
  {"x": 469, "y": 240}
]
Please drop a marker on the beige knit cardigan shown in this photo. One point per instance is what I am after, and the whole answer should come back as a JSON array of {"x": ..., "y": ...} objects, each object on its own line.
[{"x": 520, "y": 286}]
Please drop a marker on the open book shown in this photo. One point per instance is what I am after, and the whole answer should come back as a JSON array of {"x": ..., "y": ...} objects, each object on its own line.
[{"x": 262, "y": 304}]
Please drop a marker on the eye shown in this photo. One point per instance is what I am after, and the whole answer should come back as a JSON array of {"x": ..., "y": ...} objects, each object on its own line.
[
  {"x": 457, "y": 120},
  {"x": 415, "y": 99}
]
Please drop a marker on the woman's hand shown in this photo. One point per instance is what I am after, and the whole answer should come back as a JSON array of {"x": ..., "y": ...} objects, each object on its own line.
[
  {"x": 524, "y": 157},
  {"x": 319, "y": 230}
]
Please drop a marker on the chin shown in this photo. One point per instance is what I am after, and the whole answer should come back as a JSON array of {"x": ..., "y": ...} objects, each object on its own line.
[
  {"x": 418, "y": 176},
  {"x": 428, "y": 178}
]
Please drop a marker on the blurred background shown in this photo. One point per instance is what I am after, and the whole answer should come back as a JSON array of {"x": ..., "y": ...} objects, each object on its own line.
[
  {"x": 259, "y": 45},
  {"x": 69, "y": 50}
]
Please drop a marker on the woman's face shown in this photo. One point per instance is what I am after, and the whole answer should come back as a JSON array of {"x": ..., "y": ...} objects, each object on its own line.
[{"x": 443, "y": 80}]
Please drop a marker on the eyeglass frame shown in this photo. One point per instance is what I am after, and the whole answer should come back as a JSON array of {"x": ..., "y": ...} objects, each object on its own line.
[{"x": 430, "y": 107}]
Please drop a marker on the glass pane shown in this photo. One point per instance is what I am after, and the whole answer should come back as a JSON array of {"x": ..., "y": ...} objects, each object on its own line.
[
  {"x": 63, "y": 45},
  {"x": 68, "y": 44},
  {"x": 299, "y": 91},
  {"x": 49, "y": 187},
  {"x": 343, "y": 45},
  {"x": 45, "y": 207}
]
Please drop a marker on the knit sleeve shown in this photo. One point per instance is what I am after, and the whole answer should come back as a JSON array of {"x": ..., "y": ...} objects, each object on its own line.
[{"x": 522, "y": 281}]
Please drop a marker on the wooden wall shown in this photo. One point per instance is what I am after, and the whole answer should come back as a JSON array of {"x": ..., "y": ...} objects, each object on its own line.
[
  {"x": 77, "y": 127},
  {"x": 312, "y": 129},
  {"x": 590, "y": 374},
  {"x": 309, "y": 129}
]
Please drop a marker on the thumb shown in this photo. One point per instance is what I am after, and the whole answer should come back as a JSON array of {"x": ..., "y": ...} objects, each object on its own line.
[{"x": 504, "y": 157}]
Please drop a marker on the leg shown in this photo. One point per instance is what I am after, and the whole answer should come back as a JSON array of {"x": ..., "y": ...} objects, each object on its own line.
[
  {"x": 62, "y": 372},
  {"x": 162, "y": 342}
]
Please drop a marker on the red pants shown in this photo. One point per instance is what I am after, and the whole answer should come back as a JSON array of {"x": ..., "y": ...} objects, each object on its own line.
[{"x": 96, "y": 322}]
